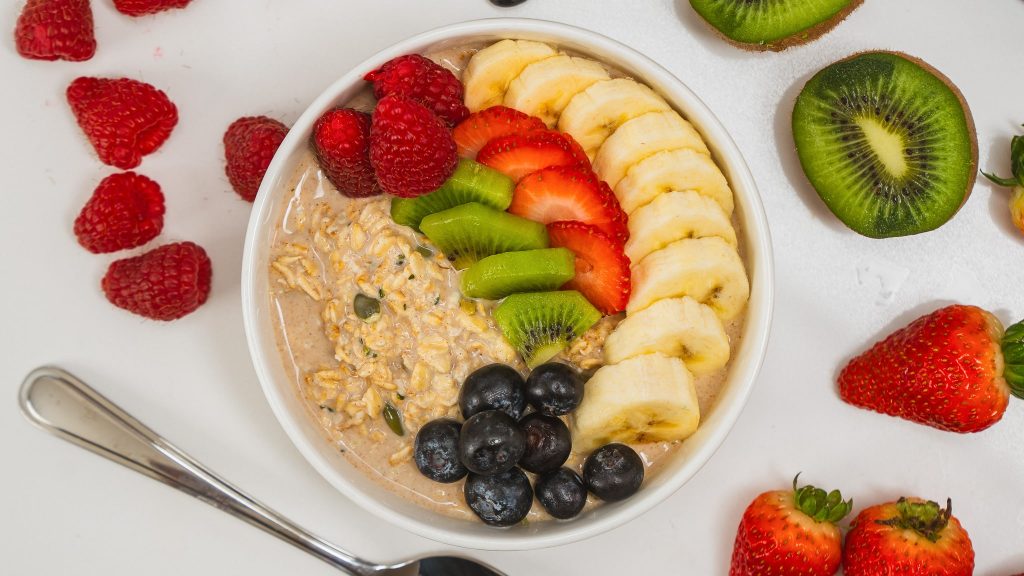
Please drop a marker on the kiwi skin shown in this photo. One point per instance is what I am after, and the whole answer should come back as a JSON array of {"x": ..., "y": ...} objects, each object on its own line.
[{"x": 803, "y": 37}]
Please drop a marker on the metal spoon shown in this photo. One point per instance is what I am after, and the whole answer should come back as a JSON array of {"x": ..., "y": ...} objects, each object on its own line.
[{"x": 65, "y": 406}]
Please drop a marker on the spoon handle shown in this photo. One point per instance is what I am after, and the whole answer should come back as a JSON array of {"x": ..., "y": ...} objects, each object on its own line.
[{"x": 65, "y": 406}]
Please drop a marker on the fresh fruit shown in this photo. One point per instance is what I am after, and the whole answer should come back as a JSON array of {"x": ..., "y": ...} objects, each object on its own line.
[
  {"x": 493, "y": 387},
  {"x": 422, "y": 80},
  {"x": 490, "y": 70},
  {"x": 544, "y": 88},
  {"x": 613, "y": 472},
  {"x": 554, "y": 389},
  {"x": 471, "y": 182},
  {"x": 518, "y": 155},
  {"x": 411, "y": 149},
  {"x": 495, "y": 277},
  {"x": 491, "y": 443},
  {"x": 676, "y": 216},
  {"x": 539, "y": 325},
  {"x": 165, "y": 283},
  {"x": 249, "y": 145},
  {"x": 144, "y": 7},
  {"x": 775, "y": 25},
  {"x": 436, "y": 451},
  {"x": 570, "y": 193},
  {"x": 341, "y": 141},
  {"x": 1016, "y": 181},
  {"x": 561, "y": 492},
  {"x": 909, "y": 536},
  {"x": 595, "y": 113},
  {"x": 649, "y": 398},
  {"x": 123, "y": 119},
  {"x": 791, "y": 533},
  {"x": 501, "y": 499},
  {"x": 481, "y": 127},
  {"x": 602, "y": 268},
  {"x": 641, "y": 137},
  {"x": 679, "y": 327},
  {"x": 55, "y": 30},
  {"x": 888, "y": 143},
  {"x": 126, "y": 210},
  {"x": 706, "y": 269},
  {"x": 548, "y": 442},
  {"x": 669, "y": 171},
  {"x": 472, "y": 231},
  {"x": 945, "y": 370}
]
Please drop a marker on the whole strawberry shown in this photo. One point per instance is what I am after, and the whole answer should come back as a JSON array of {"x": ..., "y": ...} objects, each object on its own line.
[
  {"x": 411, "y": 149},
  {"x": 55, "y": 30},
  {"x": 124, "y": 119},
  {"x": 790, "y": 533},
  {"x": 910, "y": 537},
  {"x": 341, "y": 140},
  {"x": 420, "y": 79},
  {"x": 1016, "y": 181},
  {"x": 249, "y": 145},
  {"x": 162, "y": 284},
  {"x": 126, "y": 210},
  {"x": 143, "y": 7},
  {"x": 952, "y": 369}
]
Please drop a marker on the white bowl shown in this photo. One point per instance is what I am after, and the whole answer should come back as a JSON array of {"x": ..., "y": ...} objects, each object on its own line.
[{"x": 282, "y": 393}]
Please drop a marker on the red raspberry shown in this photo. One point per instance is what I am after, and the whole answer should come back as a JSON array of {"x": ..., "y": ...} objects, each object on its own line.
[
  {"x": 125, "y": 211},
  {"x": 143, "y": 7},
  {"x": 411, "y": 149},
  {"x": 249, "y": 146},
  {"x": 163, "y": 284},
  {"x": 424, "y": 81},
  {"x": 341, "y": 140},
  {"x": 124, "y": 119},
  {"x": 55, "y": 30}
]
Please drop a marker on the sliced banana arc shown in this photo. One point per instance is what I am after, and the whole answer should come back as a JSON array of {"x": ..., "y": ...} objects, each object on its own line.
[
  {"x": 544, "y": 88},
  {"x": 675, "y": 216},
  {"x": 680, "y": 169},
  {"x": 489, "y": 72},
  {"x": 706, "y": 269},
  {"x": 595, "y": 113},
  {"x": 641, "y": 137},
  {"x": 648, "y": 398}
]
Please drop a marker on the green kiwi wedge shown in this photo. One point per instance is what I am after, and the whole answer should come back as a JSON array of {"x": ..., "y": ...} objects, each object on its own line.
[
  {"x": 471, "y": 182},
  {"x": 773, "y": 24},
  {"x": 541, "y": 324},
  {"x": 469, "y": 232},
  {"x": 888, "y": 143},
  {"x": 498, "y": 276}
]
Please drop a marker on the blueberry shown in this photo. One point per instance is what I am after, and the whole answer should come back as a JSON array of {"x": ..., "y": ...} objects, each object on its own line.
[
  {"x": 507, "y": 3},
  {"x": 613, "y": 472},
  {"x": 554, "y": 388},
  {"x": 500, "y": 499},
  {"x": 561, "y": 492},
  {"x": 491, "y": 443},
  {"x": 548, "y": 442},
  {"x": 493, "y": 387},
  {"x": 436, "y": 451}
]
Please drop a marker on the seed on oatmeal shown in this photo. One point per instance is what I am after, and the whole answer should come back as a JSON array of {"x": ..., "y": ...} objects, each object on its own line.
[
  {"x": 366, "y": 307},
  {"x": 393, "y": 419}
]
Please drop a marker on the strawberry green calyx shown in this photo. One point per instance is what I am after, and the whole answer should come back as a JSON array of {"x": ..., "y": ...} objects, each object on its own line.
[
  {"x": 820, "y": 505},
  {"x": 926, "y": 518},
  {"x": 1016, "y": 165},
  {"x": 1013, "y": 358}
]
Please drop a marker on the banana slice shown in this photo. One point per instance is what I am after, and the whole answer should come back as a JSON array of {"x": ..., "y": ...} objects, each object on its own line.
[
  {"x": 592, "y": 115},
  {"x": 641, "y": 137},
  {"x": 678, "y": 327},
  {"x": 706, "y": 269},
  {"x": 679, "y": 169},
  {"x": 675, "y": 216},
  {"x": 490, "y": 70},
  {"x": 649, "y": 398},
  {"x": 544, "y": 88}
]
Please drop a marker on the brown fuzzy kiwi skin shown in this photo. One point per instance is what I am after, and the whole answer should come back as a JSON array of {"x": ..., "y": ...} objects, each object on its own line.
[{"x": 800, "y": 38}]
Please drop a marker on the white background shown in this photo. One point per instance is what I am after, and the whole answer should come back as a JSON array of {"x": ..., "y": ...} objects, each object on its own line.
[{"x": 65, "y": 511}]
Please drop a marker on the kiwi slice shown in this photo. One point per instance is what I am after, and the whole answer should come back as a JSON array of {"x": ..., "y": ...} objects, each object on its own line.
[
  {"x": 542, "y": 324},
  {"x": 498, "y": 276},
  {"x": 473, "y": 231},
  {"x": 773, "y": 24},
  {"x": 471, "y": 182},
  {"x": 888, "y": 142}
]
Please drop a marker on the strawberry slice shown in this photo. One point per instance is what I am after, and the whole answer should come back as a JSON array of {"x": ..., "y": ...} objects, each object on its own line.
[
  {"x": 517, "y": 155},
  {"x": 602, "y": 268},
  {"x": 481, "y": 127},
  {"x": 570, "y": 193}
]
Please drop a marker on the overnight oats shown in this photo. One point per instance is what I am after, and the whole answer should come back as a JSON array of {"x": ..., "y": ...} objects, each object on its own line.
[{"x": 506, "y": 274}]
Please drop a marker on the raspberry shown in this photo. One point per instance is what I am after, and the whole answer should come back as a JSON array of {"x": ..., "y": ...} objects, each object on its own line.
[
  {"x": 411, "y": 149},
  {"x": 124, "y": 119},
  {"x": 143, "y": 7},
  {"x": 249, "y": 146},
  {"x": 55, "y": 30},
  {"x": 341, "y": 140},
  {"x": 163, "y": 284},
  {"x": 125, "y": 211},
  {"x": 420, "y": 79}
]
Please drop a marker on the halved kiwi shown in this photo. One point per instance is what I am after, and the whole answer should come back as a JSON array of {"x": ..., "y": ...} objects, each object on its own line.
[
  {"x": 888, "y": 143},
  {"x": 471, "y": 182},
  {"x": 541, "y": 324},
  {"x": 773, "y": 24},
  {"x": 473, "y": 231}
]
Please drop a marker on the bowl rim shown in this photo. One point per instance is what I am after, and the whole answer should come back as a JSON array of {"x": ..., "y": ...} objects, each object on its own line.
[{"x": 755, "y": 231}]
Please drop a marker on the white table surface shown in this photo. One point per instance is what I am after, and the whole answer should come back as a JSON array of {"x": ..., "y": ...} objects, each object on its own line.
[{"x": 66, "y": 511}]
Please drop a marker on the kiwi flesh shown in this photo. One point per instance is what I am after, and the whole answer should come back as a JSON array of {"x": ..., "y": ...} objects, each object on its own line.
[
  {"x": 471, "y": 231},
  {"x": 498, "y": 276},
  {"x": 887, "y": 142},
  {"x": 773, "y": 24},
  {"x": 541, "y": 324},
  {"x": 471, "y": 182}
]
